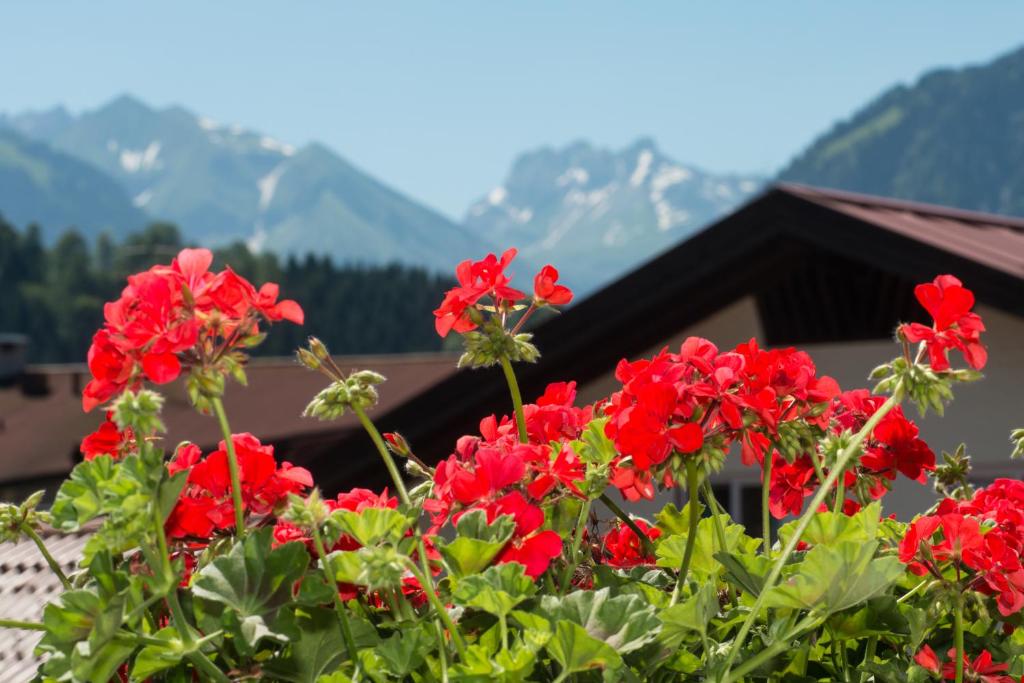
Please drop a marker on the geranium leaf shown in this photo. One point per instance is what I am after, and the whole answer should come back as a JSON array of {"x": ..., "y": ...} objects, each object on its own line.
[
  {"x": 692, "y": 615},
  {"x": 153, "y": 659},
  {"x": 477, "y": 543},
  {"x": 253, "y": 579},
  {"x": 318, "y": 650},
  {"x": 748, "y": 572},
  {"x": 576, "y": 650},
  {"x": 370, "y": 526},
  {"x": 703, "y": 566},
  {"x": 496, "y": 591},
  {"x": 827, "y": 528},
  {"x": 831, "y": 579},
  {"x": 625, "y": 622}
]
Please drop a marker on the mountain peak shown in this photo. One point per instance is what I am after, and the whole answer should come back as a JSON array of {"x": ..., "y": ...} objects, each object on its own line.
[
  {"x": 125, "y": 105},
  {"x": 600, "y": 211}
]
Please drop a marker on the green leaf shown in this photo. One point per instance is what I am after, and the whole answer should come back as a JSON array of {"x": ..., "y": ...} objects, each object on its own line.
[
  {"x": 576, "y": 650},
  {"x": 625, "y": 622},
  {"x": 692, "y": 615},
  {"x": 477, "y": 543},
  {"x": 496, "y": 591},
  {"x": 253, "y": 580},
  {"x": 703, "y": 565},
  {"x": 879, "y": 617},
  {"x": 831, "y": 579},
  {"x": 318, "y": 650},
  {"x": 83, "y": 494},
  {"x": 372, "y": 525},
  {"x": 746, "y": 571},
  {"x": 153, "y": 659},
  {"x": 828, "y": 528},
  {"x": 399, "y": 655}
]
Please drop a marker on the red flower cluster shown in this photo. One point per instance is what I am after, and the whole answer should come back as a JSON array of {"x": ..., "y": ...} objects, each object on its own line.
[
  {"x": 984, "y": 536},
  {"x": 677, "y": 402},
  {"x": 954, "y": 325},
  {"x": 981, "y": 669},
  {"x": 170, "y": 310},
  {"x": 108, "y": 440},
  {"x": 493, "y": 471},
  {"x": 487, "y": 278},
  {"x": 621, "y": 547},
  {"x": 206, "y": 506}
]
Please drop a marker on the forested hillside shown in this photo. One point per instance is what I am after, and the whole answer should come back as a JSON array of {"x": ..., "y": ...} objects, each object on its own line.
[{"x": 55, "y": 294}]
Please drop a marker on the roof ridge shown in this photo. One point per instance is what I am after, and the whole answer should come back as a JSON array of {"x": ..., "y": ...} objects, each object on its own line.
[{"x": 812, "y": 192}]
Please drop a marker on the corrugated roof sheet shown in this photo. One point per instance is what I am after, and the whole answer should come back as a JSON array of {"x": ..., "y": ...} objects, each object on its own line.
[
  {"x": 26, "y": 585},
  {"x": 989, "y": 239}
]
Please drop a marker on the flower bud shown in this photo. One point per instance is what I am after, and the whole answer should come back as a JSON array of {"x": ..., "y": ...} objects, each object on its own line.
[
  {"x": 318, "y": 348},
  {"x": 307, "y": 359}
]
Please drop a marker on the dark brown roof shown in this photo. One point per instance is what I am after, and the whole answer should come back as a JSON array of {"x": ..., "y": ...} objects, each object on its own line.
[
  {"x": 806, "y": 255},
  {"x": 40, "y": 434}
]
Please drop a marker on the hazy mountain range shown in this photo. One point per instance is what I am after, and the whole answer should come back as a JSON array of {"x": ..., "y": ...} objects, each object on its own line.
[
  {"x": 954, "y": 137},
  {"x": 597, "y": 212}
]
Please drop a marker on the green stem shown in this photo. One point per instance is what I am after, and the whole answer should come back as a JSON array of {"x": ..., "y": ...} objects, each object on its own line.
[
  {"x": 177, "y": 613},
  {"x": 517, "y": 399},
  {"x": 692, "y": 482},
  {"x": 645, "y": 541},
  {"x": 958, "y": 636},
  {"x": 869, "y": 657},
  {"x": 202, "y": 663},
  {"x": 23, "y": 625},
  {"x": 236, "y": 479},
  {"x": 837, "y": 506},
  {"x": 848, "y": 453},
  {"x": 577, "y": 538},
  {"x": 382, "y": 448},
  {"x": 780, "y": 645},
  {"x": 342, "y": 610},
  {"x": 50, "y": 560},
  {"x": 766, "y": 485},
  {"x": 913, "y": 591},
  {"x": 426, "y": 579},
  {"x": 439, "y": 608},
  {"x": 716, "y": 515}
]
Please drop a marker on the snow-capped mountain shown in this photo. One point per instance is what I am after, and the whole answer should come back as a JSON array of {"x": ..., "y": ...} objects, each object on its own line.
[
  {"x": 221, "y": 183},
  {"x": 598, "y": 212}
]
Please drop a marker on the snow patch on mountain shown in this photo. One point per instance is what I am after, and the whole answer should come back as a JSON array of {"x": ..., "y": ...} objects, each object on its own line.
[
  {"x": 136, "y": 160},
  {"x": 268, "y": 184},
  {"x": 142, "y": 198}
]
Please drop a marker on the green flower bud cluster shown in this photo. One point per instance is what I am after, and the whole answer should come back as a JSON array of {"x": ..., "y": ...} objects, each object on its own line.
[
  {"x": 140, "y": 411},
  {"x": 795, "y": 438},
  {"x": 1017, "y": 438},
  {"x": 358, "y": 390},
  {"x": 15, "y": 518},
  {"x": 926, "y": 388},
  {"x": 486, "y": 347},
  {"x": 952, "y": 476}
]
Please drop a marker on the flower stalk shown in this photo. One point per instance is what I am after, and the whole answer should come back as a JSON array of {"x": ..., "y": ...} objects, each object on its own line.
[
  {"x": 233, "y": 469},
  {"x": 692, "y": 482},
  {"x": 851, "y": 450}
]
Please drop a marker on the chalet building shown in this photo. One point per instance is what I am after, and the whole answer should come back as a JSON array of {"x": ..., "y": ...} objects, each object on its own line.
[
  {"x": 827, "y": 271},
  {"x": 830, "y": 272}
]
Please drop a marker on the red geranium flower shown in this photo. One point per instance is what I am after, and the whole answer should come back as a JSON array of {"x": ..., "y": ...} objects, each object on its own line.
[
  {"x": 545, "y": 289},
  {"x": 955, "y": 326},
  {"x": 108, "y": 439},
  {"x": 476, "y": 279},
  {"x": 621, "y": 546}
]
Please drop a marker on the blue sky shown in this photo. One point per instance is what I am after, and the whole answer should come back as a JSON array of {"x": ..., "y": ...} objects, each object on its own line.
[{"x": 438, "y": 98}]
